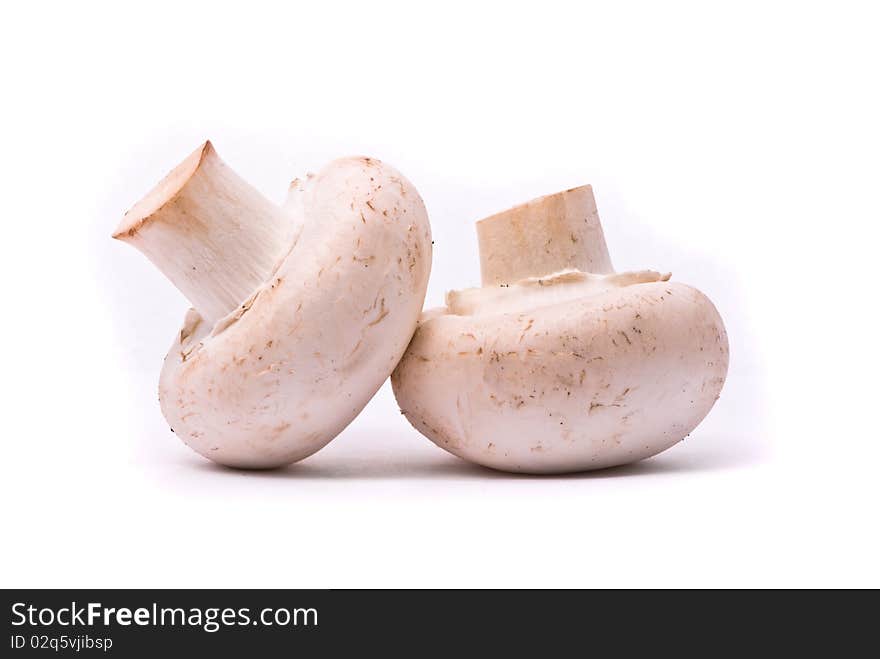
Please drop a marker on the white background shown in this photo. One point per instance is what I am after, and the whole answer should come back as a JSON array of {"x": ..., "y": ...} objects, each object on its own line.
[{"x": 738, "y": 148}]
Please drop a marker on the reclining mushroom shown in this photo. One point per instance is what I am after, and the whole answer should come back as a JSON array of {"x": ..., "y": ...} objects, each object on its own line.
[
  {"x": 557, "y": 364},
  {"x": 300, "y": 313}
]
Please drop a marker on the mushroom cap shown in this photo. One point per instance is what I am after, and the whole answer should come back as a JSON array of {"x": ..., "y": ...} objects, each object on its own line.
[
  {"x": 588, "y": 383},
  {"x": 279, "y": 377}
]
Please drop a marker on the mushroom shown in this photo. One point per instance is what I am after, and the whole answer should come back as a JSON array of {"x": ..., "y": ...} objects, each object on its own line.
[
  {"x": 300, "y": 312},
  {"x": 558, "y": 364}
]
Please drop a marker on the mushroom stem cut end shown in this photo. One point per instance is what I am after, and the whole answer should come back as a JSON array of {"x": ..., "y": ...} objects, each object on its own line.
[
  {"x": 209, "y": 231},
  {"x": 550, "y": 234}
]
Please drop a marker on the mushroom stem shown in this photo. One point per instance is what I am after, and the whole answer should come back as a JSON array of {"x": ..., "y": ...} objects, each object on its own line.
[
  {"x": 546, "y": 235},
  {"x": 209, "y": 231}
]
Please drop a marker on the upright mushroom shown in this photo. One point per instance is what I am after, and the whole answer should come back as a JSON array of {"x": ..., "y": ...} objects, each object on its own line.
[
  {"x": 557, "y": 364},
  {"x": 299, "y": 312}
]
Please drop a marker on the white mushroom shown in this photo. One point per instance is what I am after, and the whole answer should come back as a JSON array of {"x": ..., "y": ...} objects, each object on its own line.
[
  {"x": 557, "y": 364},
  {"x": 299, "y": 313}
]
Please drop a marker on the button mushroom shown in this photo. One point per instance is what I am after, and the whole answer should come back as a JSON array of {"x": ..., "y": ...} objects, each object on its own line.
[
  {"x": 558, "y": 364},
  {"x": 300, "y": 312}
]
